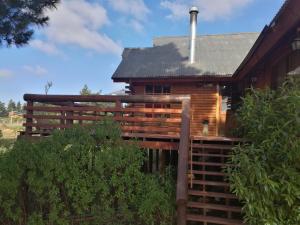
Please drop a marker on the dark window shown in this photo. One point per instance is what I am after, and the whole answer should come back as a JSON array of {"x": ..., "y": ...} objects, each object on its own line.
[
  {"x": 157, "y": 89},
  {"x": 149, "y": 89},
  {"x": 166, "y": 89}
]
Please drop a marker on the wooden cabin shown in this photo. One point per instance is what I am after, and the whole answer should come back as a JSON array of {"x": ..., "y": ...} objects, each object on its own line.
[
  {"x": 180, "y": 94},
  {"x": 165, "y": 69}
]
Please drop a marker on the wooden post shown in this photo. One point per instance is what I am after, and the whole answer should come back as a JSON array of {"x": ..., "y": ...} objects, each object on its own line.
[
  {"x": 182, "y": 177},
  {"x": 62, "y": 121},
  {"x": 70, "y": 113},
  {"x": 218, "y": 111},
  {"x": 28, "y": 129},
  {"x": 118, "y": 106}
]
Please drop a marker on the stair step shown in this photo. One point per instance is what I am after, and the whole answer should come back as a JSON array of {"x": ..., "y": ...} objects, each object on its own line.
[
  {"x": 211, "y": 219},
  {"x": 207, "y": 163},
  {"x": 210, "y": 183},
  {"x": 219, "y": 207},
  {"x": 211, "y": 173},
  {"x": 212, "y": 194},
  {"x": 212, "y": 146},
  {"x": 210, "y": 155}
]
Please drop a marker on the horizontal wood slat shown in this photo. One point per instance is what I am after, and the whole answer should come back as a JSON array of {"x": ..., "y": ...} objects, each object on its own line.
[
  {"x": 99, "y": 109},
  {"x": 98, "y": 118}
]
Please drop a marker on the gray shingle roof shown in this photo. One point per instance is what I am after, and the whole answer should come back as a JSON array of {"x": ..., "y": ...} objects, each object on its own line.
[{"x": 216, "y": 55}]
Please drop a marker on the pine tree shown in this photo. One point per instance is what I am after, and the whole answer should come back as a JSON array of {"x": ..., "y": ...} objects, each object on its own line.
[
  {"x": 85, "y": 90},
  {"x": 19, "y": 107},
  {"x": 11, "y": 106},
  {"x": 17, "y": 18},
  {"x": 3, "y": 111}
]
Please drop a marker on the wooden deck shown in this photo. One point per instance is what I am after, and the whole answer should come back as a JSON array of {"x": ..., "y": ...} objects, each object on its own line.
[{"x": 200, "y": 159}]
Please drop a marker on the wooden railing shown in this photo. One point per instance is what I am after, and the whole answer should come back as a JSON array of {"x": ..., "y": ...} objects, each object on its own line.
[{"x": 154, "y": 117}]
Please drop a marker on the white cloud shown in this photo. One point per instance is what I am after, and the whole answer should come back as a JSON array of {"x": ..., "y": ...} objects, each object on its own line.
[
  {"x": 135, "y": 12},
  {"x": 209, "y": 10},
  {"x": 46, "y": 47},
  {"x": 136, "y": 25},
  {"x": 135, "y": 8},
  {"x": 5, "y": 73},
  {"x": 77, "y": 23},
  {"x": 37, "y": 69}
]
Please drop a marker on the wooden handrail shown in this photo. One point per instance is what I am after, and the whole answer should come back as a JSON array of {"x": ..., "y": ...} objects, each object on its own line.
[
  {"x": 106, "y": 98},
  {"x": 182, "y": 178}
]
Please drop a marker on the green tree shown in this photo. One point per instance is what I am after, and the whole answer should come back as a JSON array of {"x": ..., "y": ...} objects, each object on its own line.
[
  {"x": 82, "y": 172},
  {"x": 3, "y": 111},
  {"x": 19, "y": 107},
  {"x": 11, "y": 106},
  {"x": 86, "y": 91},
  {"x": 17, "y": 18},
  {"x": 266, "y": 173}
]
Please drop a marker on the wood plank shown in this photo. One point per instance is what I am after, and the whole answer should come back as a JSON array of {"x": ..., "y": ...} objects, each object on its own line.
[
  {"x": 98, "y": 118},
  {"x": 99, "y": 109},
  {"x": 151, "y": 136},
  {"x": 107, "y": 98},
  {"x": 208, "y": 163},
  {"x": 47, "y": 125},
  {"x": 212, "y": 194},
  {"x": 215, "y": 220},
  {"x": 212, "y": 146},
  {"x": 210, "y": 173},
  {"x": 211, "y": 183},
  {"x": 159, "y": 145},
  {"x": 210, "y": 155},
  {"x": 150, "y": 129},
  {"x": 218, "y": 207}
]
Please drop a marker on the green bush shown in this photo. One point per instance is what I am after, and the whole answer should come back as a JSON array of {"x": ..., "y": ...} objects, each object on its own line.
[
  {"x": 266, "y": 173},
  {"x": 85, "y": 172}
]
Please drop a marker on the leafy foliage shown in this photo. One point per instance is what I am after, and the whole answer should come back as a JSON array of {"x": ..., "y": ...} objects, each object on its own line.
[
  {"x": 266, "y": 175},
  {"x": 17, "y": 18},
  {"x": 86, "y": 91},
  {"x": 85, "y": 172}
]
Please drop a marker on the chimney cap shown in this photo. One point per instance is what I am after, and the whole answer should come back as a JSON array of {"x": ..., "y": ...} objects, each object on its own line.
[{"x": 194, "y": 9}]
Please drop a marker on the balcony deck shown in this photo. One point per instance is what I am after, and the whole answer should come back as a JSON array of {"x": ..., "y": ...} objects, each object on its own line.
[{"x": 163, "y": 128}]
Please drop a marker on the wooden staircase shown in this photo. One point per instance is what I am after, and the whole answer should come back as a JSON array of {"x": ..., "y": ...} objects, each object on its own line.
[{"x": 209, "y": 199}]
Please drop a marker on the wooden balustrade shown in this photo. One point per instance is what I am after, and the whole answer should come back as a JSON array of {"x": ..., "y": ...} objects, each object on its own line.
[{"x": 45, "y": 113}]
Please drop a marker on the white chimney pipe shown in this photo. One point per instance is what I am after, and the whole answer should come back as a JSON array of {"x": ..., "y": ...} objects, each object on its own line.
[{"x": 193, "y": 23}]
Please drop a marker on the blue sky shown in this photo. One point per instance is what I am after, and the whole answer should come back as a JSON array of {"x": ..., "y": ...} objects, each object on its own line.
[{"x": 84, "y": 40}]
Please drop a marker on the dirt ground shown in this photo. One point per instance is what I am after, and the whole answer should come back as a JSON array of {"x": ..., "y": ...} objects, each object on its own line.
[{"x": 10, "y": 130}]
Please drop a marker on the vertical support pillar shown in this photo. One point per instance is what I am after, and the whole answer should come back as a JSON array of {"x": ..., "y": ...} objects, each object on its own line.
[
  {"x": 70, "y": 113},
  {"x": 218, "y": 111},
  {"x": 183, "y": 156},
  {"x": 29, "y": 120}
]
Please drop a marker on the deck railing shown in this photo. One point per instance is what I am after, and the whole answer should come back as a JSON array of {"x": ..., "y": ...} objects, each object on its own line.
[{"x": 144, "y": 117}]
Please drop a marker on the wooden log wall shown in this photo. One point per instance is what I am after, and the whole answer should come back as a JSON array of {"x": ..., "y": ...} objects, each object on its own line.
[{"x": 205, "y": 103}]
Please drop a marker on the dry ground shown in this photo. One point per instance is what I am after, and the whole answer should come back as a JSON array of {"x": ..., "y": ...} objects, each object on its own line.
[{"x": 10, "y": 128}]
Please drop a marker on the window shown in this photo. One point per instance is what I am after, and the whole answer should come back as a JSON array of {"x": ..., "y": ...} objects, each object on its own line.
[
  {"x": 157, "y": 89},
  {"x": 162, "y": 89},
  {"x": 149, "y": 89}
]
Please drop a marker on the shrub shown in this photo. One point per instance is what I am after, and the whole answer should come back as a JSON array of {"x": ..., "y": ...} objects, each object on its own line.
[
  {"x": 266, "y": 173},
  {"x": 83, "y": 172}
]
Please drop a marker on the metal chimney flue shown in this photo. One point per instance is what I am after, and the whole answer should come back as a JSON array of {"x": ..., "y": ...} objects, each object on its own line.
[{"x": 193, "y": 23}]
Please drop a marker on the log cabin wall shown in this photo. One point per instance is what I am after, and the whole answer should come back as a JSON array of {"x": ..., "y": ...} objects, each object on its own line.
[
  {"x": 206, "y": 102},
  {"x": 273, "y": 70}
]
